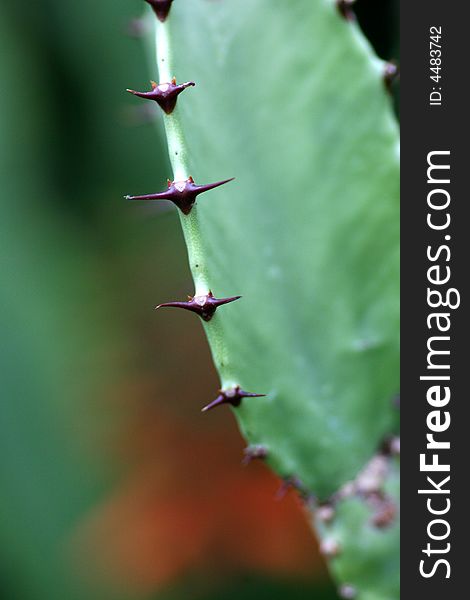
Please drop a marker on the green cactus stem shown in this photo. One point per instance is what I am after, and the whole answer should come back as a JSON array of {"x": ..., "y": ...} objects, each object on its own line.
[{"x": 291, "y": 100}]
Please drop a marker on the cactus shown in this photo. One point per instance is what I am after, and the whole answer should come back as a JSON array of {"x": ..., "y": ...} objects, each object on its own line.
[{"x": 290, "y": 99}]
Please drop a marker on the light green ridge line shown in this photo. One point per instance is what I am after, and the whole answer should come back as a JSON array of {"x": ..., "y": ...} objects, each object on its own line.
[{"x": 178, "y": 154}]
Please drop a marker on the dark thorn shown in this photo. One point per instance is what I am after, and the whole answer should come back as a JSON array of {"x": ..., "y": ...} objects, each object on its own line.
[
  {"x": 254, "y": 453},
  {"x": 345, "y": 9},
  {"x": 204, "y": 306},
  {"x": 136, "y": 28},
  {"x": 232, "y": 396},
  {"x": 164, "y": 94},
  {"x": 290, "y": 483},
  {"x": 391, "y": 75},
  {"x": 161, "y": 8},
  {"x": 347, "y": 592},
  {"x": 330, "y": 548},
  {"x": 325, "y": 513},
  {"x": 181, "y": 193}
]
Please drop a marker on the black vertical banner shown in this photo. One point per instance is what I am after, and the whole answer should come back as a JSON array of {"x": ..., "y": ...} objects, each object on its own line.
[{"x": 435, "y": 272}]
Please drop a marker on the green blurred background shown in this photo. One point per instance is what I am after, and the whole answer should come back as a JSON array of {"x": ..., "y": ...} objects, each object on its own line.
[{"x": 112, "y": 485}]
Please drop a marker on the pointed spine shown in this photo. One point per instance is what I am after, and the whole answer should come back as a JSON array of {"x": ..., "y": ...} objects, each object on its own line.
[
  {"x": 204, "y": 306},
  {"x": 182, "y": 193},
  {"x": 345, "y": 9},
  {"x": 232, "y": 396},
  {"x": 164, "y": 94}
]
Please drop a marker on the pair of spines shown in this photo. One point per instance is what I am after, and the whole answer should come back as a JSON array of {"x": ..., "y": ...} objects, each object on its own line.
[{"x": 182, "y": 193}]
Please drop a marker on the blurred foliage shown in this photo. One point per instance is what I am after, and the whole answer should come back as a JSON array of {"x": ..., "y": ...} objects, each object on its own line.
[{"x": 80, "y": 272}]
